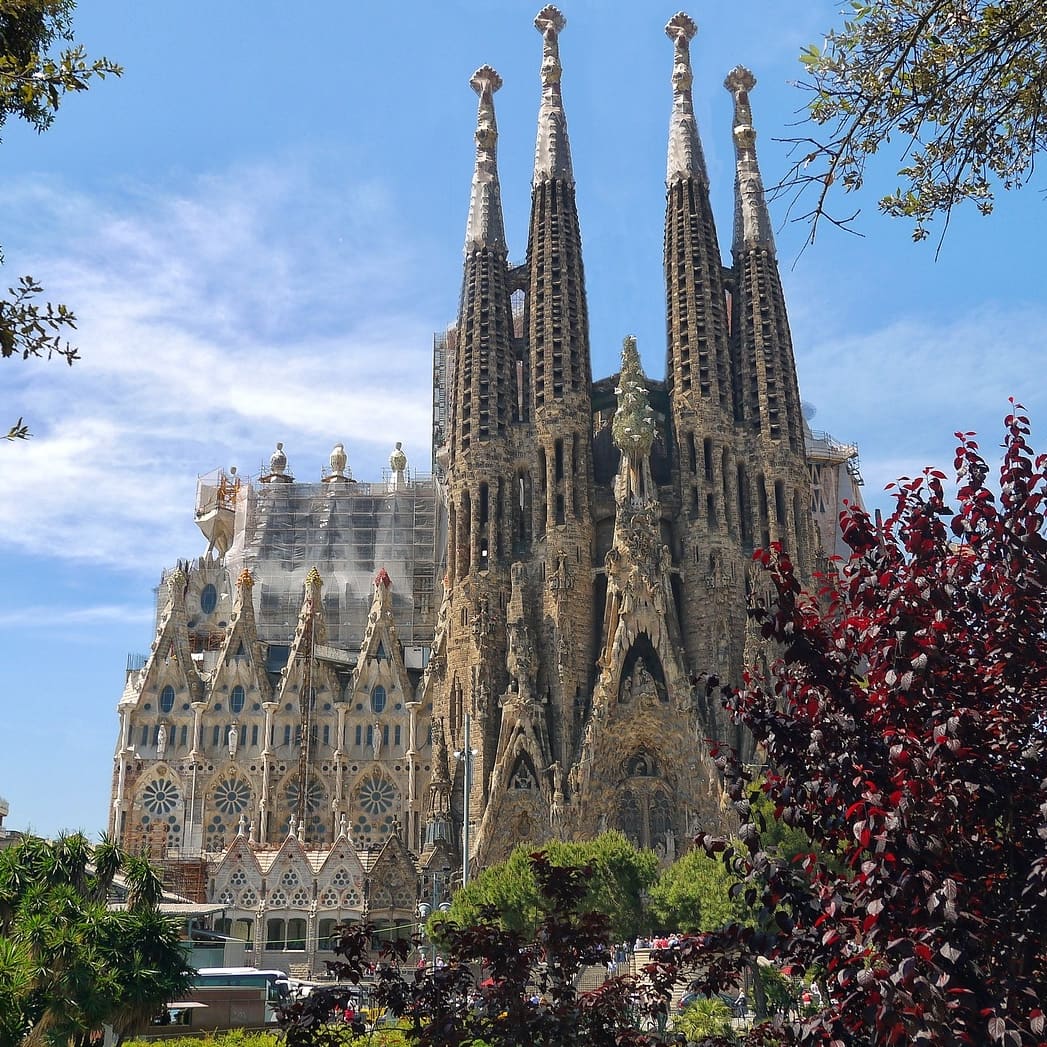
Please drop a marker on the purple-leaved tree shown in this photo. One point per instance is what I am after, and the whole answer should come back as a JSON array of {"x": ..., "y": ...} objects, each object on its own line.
[{"x": 904, "y": 729}]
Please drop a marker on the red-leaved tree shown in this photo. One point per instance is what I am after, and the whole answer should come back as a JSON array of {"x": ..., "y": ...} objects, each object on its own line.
[{"x": 905, "y": 731}]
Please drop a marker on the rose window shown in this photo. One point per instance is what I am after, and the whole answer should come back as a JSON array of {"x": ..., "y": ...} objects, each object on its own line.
[
  {"x": 226, "y": 897},
  {"x": 248, "y": 900},
  {"x": 232, "y": 796},
  {"x": 314, "y": 795},
  {"x": 289, "y": 879},
  {"x": 341, "y": 878},
  {"x": 351, "y": 898},
  {"x": 160, "y": 796},
  {"x": 377, "y": 795},
  {"x": 238, "y": 879},
  {"x": 329, "y": 899},
  {"x": 300, "y": 899},
  {"x": 278, "y": 898}
]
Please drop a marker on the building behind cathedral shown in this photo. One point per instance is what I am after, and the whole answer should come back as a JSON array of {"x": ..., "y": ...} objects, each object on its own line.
[{"x": 356, "y": 680}]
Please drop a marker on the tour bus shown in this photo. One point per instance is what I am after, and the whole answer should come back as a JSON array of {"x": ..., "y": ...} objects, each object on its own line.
[{"x": 224, "y": 998}]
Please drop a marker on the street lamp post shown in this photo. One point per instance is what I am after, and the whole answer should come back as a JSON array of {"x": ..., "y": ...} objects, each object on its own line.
[
  {"x": 466, "y": 755},
  {"x": 437, "y": 904}
]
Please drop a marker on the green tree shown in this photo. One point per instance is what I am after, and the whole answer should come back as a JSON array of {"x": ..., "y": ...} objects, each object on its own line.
[
  {"x": 620, "y": 876},
  {"x": 694, "y": 894},
  {"x": 68, "y": 962},
  {"x": 39, "y": 65},
  {"x": 958, "y": 85}
]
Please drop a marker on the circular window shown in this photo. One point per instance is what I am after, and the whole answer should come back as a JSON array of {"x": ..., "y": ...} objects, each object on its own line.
[
  {"x": 167, "y": 699},
  {"x": 378, "y": 699},
  {"x": 377, "y": 795},
  {"x": 160, "y": 796},
  {"x": 208, "y": 598},
  {"x": 314, "y": 795},
  {"x": 232, "y": 796},
  {"x": 237, "y": 699}
]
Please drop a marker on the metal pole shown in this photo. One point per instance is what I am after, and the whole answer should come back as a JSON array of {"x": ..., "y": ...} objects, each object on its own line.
[{"x": 466, "y": 789}]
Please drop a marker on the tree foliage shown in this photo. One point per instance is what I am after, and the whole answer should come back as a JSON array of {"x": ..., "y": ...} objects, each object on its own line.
[
  {"x": 906, "y": 735},
  {"x": 960, "y": 85},
  {"x": 37, "y": 70},
  {"x": 620, "y": 876},
  {"x": 69, "y": 963},
  {"x": 694, "y": 894},
  {"x": 500, "y": 987}
]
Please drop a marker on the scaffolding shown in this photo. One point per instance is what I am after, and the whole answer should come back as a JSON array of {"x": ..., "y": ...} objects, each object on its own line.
[{"x": 348, "y": 531}]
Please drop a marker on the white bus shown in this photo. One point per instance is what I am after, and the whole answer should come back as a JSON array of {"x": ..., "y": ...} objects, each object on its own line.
[{"x": 274, "y": 988}]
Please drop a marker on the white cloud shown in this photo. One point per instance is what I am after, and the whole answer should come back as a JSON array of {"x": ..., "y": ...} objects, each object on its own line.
[
  {"x": 213, "y": 325},
  {"x": 54, "y": 617},
  {"x": 902, "y": 389}
]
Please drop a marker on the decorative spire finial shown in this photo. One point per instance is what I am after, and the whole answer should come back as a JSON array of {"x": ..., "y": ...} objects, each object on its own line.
[
  {"x": 484, "y": 227},
  {"x": 552, "y": 155},
  {"x": 313, "y": 579},
  {"x": 752, "y": 222},
  {"x": 245, "y": 581},
  {"x": 686, "y": 159},
  {"x": 278, "y": 468}
]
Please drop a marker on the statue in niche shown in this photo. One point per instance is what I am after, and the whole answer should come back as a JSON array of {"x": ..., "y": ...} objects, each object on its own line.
[
  {"x": 627, "y": 689},
  {"x": 520, "y": 659},
  {"x": 561, "y": 579},
  {"x": 556, "y": 812},
  {"x": 482, "y": 624},
  {"x": 645, "y": 687},
  {"x": 670, "y": 845},
  {"x": 563, "y": 651},
  {"x": 376, "y": 739},
  {"x": 161, "y": 740},
  {"x": 483, "y": 699},
  {"x": 233, "y": 739}
]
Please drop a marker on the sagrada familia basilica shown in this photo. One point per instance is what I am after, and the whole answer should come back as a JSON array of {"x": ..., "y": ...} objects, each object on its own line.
[{"x": 358, "y": 684}]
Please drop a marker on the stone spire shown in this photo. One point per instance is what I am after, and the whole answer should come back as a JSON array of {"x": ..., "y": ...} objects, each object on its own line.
[
  {"x": 697, "y": 366},
  {"x": 552, "y": 151},
  {"x": 686, "y": 159},
  {"x": 752, "y": 222},
  {"x": 484, "y": 227}
]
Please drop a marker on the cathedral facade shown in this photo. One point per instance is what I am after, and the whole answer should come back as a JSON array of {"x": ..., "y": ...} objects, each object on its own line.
[{"x": 359, "y": 681}]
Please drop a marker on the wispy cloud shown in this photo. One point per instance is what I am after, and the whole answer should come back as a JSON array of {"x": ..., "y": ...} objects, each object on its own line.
[
  {"x": 55, "y": 617},
  {"x": 209, "y": 332},
  {"x": 905, "y": 387}
]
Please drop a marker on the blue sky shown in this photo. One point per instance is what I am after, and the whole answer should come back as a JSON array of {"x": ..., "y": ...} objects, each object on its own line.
[{"x": 260, "y": 227}]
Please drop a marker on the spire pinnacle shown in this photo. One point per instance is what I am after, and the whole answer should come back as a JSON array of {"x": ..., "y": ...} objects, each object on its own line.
[
  {"x": 686, "y": 159},
  {"x": 552, "y": 153},
  {"x": 484, "y": 227},
  {"x": 752, "y": 222}
]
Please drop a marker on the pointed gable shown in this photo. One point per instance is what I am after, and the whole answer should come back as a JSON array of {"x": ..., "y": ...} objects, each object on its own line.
[
  {"x": 381, "y": 665},
  {"x": 238, "y": 876},
  {"x": 301, "y": 665},
  {"x": 170, "y": 661},
  {"x": 241, "y": 662},
  {"x": 394, "y": 878},
  {"x": 289, "y": 879}
]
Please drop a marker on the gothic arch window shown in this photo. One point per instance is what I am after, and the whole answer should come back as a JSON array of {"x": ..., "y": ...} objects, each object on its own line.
[
  {"x": 159, "y": 813},
  {"x": 629, "y": 819},
  {"x": 237, "y": 699},
  {"x": 208, "y": 598},
  {"x": 378, "y": 699},
  {"x": 167, "y": 699},
  {"x": 660, "y": 818}
]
